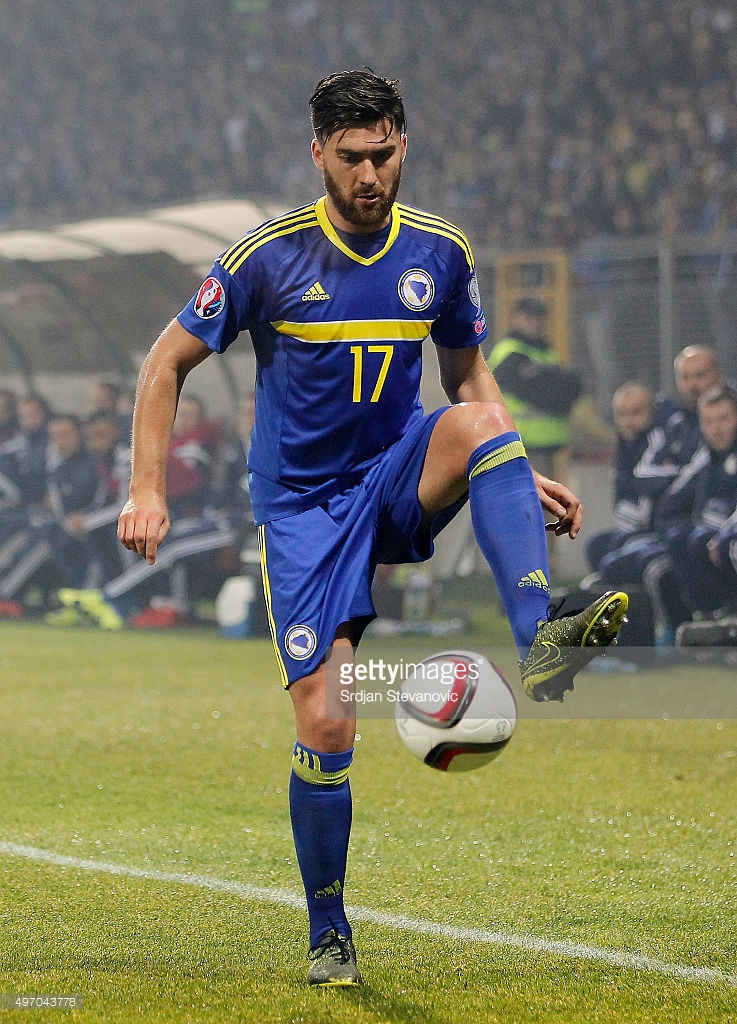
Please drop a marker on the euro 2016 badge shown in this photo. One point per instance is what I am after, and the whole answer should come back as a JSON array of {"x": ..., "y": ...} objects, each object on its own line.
[{"x": 210, "y": 299}]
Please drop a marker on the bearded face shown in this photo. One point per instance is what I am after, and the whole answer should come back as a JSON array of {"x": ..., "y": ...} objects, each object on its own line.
[
  {"x": 362, "y": 169},
  {"x": 365, "y": 208}
]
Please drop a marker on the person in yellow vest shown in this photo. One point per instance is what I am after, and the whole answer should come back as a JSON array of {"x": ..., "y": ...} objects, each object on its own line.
[{"x": 539, "y": 392}]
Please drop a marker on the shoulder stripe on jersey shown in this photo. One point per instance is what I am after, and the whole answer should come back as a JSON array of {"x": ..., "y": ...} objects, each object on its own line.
[
  {"x": 264, "y": 229},
  {"x": 305, "y": 217},
  {"x": 355, "y": 330},
  {"x": 274, "y": 223},
  {"x": 437, "y": 226},
  {"x": 431, "y": 219}
]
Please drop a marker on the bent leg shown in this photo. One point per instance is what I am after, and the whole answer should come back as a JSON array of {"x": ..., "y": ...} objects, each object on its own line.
[
  {"x": 472, "y": 449},
  {"x": 455, "y": 437}
]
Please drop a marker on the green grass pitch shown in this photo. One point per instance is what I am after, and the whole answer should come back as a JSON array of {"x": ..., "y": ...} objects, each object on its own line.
[{"x": 588, "y": 876}]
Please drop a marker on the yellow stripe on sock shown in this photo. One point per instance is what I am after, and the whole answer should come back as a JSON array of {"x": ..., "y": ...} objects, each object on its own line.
[
  {"x": 508, "y": 452},
  {"x": 306, "y": 766}
]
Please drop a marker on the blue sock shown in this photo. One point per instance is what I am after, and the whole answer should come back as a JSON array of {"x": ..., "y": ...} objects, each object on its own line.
[
  {"x": 321, "y": 811},
  {"x": 510, "y": 530}
]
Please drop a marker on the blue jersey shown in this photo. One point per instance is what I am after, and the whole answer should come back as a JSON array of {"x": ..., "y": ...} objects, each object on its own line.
[{"x": 338, "y": 341}]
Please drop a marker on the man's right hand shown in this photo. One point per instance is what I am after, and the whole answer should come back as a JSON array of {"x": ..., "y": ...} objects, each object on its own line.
[
  {"x": 143, "y": 526},
  {"x": 144, "y": 520}
]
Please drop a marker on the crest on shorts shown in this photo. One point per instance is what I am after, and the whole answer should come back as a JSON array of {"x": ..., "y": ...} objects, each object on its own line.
[
  {"x": 210, "y": 299},
  {"x": 416, "y": 289},
  {"x": 300, "y": 641}
]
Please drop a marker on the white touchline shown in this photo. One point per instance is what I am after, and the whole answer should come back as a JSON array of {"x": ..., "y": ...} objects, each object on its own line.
[{"x": 418, "y": 925}]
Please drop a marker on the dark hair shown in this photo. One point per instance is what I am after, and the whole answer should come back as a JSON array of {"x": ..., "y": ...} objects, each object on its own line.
[
  {"x": 11, "y": 397},
  {"x": 719, "y": 393},
  {"x": 531, "y": 306},
  {"x": 350, "y": 99},
  {"x": 111, "y": 386},
  {"x": 67, "y": 417},
  {"x": 103, "y": 416}
]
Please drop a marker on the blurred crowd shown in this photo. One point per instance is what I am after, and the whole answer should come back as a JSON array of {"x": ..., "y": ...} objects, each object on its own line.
[
  {"x": 63, "y": 480},
  {"x": 529, "y": 123}
]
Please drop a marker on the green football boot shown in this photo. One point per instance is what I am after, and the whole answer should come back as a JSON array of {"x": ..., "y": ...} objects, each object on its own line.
[
  {"x": 92, "y": 606},
  {"x": 333, "y": 962},
  {"x": 564, "y": 645},
  {"x": 64, "y": 617}
]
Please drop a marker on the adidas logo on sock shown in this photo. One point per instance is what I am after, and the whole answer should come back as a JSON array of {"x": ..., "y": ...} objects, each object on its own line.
[
  {"x": 330, "y": 890},
  {"x": 315, "y": 294},
  {"x": 536, "y": 578}
]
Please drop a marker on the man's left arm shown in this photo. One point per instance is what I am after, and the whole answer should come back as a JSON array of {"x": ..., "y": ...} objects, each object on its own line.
[{"x": 465, "y": 377}]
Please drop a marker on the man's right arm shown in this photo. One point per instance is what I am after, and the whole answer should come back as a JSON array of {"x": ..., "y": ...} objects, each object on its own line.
[{"x": 144, "y": 520}]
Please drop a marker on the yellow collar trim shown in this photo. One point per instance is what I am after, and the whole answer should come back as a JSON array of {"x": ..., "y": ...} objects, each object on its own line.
[{"x": 330, "y": 233}]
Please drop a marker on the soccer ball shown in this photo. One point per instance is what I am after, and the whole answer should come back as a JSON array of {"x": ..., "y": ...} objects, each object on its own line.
[{"x": 455, "y": 711}]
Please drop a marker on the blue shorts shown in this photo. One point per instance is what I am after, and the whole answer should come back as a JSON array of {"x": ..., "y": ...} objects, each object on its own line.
[{"x": 318, "y": 565}]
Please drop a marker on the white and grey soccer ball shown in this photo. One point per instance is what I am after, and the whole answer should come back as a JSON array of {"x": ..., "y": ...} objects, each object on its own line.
[{"x": 455, "y": 711}]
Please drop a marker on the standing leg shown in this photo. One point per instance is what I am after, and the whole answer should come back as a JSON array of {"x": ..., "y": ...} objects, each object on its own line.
[{"x": 321, "y": 810}]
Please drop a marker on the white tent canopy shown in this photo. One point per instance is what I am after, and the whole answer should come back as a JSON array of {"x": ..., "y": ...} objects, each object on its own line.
[{"x": 87, "y": 299}]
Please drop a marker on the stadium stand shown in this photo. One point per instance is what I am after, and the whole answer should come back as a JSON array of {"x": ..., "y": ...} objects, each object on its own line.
[{"x": 532, "y": 124}]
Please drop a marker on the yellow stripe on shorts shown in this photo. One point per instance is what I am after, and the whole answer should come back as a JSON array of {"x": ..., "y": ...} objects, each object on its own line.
[{"x": 270, "y": 615}]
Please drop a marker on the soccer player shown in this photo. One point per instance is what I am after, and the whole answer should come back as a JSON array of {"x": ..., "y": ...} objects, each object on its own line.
[{"x": 346, "y": 470}]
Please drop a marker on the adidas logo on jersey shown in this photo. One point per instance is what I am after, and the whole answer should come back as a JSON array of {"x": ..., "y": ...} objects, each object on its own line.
[
  {"x": 536, "y": 578},
  {"x": 315, "y": 294}
]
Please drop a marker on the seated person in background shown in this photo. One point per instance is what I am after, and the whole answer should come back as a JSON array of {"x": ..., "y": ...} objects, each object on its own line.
[
  {"x": 158, "y": 595},
  {"x": 34, "y": 414},
  {"x": 50, "y": 540},
  {"x": 633, "y": 408},
  {"x": 672, "y": 441},
  {"x": 231, "y": 491},
  {"x": 102, "y": 433},
  {"x": 695, "y": 577},
  {"x": 108, "y": 396},
  {"x": 677, "y": 434},
  {"x": 190, "y": 462},
  {"x": 23, "y": 473},
  {"x": 9, "y": 427},
  {"x": 11, "y": 494},
  {"x": 538, "y": 391},
  {"x": 11, "y": 445}
]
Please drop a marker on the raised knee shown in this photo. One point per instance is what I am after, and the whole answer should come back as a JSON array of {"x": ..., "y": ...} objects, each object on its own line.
[{"x": 476, "y": 422}]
